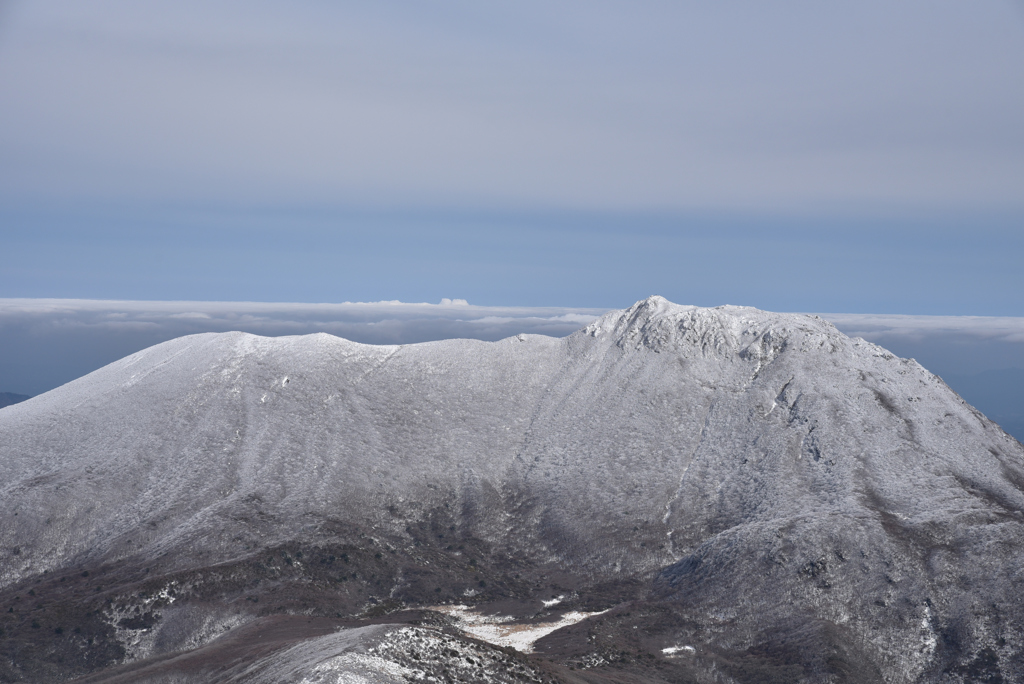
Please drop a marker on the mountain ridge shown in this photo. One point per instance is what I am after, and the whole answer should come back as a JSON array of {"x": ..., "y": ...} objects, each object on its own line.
[{"x": 667, "y": 455}]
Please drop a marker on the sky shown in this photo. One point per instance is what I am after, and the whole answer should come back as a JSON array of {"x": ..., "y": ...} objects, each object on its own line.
[
  {"x": 799, "y": 156},
  {"x": 540, "y": 160}
]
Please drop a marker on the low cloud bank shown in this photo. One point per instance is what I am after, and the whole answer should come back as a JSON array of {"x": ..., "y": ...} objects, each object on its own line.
[
  {"x": 390, "y": 322},
  {"x": 888, "y": 326},
  {"x": 45, "y": 343}
]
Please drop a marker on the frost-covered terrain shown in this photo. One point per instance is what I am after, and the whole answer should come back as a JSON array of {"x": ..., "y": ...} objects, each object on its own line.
[{"x": 741, "y": 495}]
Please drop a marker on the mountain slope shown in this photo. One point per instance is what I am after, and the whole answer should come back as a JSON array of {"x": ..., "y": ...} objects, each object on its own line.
[{"x": 756, "y": 491}]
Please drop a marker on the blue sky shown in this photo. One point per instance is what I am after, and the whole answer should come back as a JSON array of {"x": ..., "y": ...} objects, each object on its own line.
[{"x": 855, "y": 157}]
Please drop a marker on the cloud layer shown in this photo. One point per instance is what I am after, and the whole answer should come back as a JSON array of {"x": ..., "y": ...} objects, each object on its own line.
[
  {"x": 391, "y": 322},
  {"x": 873, "y": 327},
  {"x": 565, "y": 103}
]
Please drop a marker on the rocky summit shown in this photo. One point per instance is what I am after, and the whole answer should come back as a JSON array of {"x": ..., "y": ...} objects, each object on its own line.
[{"x": 671, "y": 494}]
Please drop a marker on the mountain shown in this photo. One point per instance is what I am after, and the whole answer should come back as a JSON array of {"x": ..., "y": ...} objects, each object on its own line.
[
  {"x": 9, "y": 398},
  {"x": 706, "y": 495}
]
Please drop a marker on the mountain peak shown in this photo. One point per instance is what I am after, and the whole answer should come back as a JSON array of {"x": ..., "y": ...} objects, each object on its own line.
[{"x": 660, "y": 325}]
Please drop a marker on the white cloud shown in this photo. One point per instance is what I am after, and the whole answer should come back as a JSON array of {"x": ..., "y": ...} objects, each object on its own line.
[
  {"x": 374, "y": 322},
  {"x": 876, "y": 327}
]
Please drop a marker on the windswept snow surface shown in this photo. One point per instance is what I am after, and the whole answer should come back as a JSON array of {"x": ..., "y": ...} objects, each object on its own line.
[{"x": 772, "y": 480}]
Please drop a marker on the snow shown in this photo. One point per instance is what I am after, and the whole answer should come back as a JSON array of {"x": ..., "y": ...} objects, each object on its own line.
[
  {"x": 385, "y": 654},
  {"x": 506, "y": 630}
]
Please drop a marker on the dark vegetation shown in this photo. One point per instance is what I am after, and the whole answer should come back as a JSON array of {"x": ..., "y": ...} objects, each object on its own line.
[{"x": 65, "y": 624}]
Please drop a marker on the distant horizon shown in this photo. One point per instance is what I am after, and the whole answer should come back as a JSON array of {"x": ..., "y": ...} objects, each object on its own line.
[
  {"x": 931, "y": 265},
  {"x": 6, "y": 303}
]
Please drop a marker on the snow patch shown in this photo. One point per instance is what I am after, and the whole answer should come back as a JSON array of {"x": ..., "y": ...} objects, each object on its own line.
[
  {"x": 928, "y": 640},
  {"x": 503, "y": 630}
]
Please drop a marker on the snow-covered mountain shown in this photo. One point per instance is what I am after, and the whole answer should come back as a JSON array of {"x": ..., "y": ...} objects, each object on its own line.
[{"x": 748, "y": 495}]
